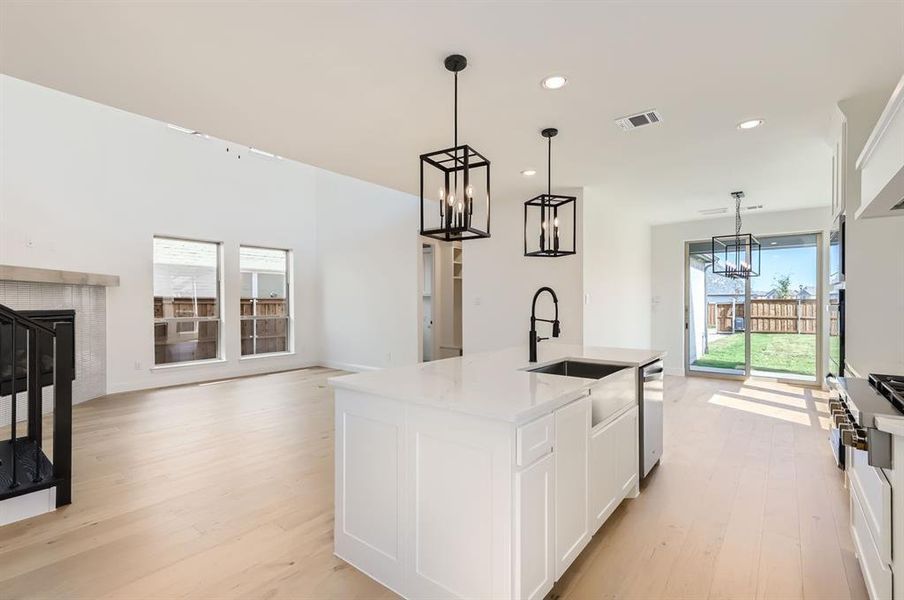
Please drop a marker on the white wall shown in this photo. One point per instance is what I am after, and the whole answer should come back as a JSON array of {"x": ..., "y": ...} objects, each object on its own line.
[
  {"x": 616, "y": 273},
  {"x": 85, "y": 187},
  {"x": 369, "y": 253},
  {"x": 499, "y": 283},
  {"x": 668, "y": 266}
]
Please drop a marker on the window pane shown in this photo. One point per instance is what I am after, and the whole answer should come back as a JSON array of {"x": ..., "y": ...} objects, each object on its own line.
[
  {"x": 264, "y": 294},
  {"x": 181, "y": 341},
  {"x": 186, "y": 291}
]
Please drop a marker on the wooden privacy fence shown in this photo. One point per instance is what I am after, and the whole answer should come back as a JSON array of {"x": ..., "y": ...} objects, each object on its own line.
[{"x": 768, "y": 315}]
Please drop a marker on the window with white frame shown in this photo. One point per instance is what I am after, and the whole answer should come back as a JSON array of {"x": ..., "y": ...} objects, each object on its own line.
[
  {"x": 265, "y": 300},
  {"x": 187, "y": 317}
]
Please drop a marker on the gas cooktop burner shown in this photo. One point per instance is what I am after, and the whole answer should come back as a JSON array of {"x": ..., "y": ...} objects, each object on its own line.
[{"x": 890, "y": 386}]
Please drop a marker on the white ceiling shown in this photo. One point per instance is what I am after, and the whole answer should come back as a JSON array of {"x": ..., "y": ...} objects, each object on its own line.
[{"x": 359, "y": 88}]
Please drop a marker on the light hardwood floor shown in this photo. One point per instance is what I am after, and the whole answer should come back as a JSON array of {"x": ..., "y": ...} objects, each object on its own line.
[{"x": 226, "y": 490}]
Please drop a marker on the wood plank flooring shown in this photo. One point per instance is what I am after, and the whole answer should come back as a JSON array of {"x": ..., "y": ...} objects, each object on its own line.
[{"x": 225, "y": 490}]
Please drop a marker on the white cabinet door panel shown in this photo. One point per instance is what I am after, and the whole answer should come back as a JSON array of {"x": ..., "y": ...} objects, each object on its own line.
[
  {"x": 613, "y": 466},
  {"x": 571, "y": 506},
  {"x": 461, "y": 500},
  {"x": 534, "y": 548},
  {"x": 626, "y": 451},
  {"x": 603, "y": 475},
  {"x": 369, "y": 526}
]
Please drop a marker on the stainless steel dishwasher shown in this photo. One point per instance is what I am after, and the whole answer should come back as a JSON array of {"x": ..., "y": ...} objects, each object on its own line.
[{"x": 651, "y": 392}]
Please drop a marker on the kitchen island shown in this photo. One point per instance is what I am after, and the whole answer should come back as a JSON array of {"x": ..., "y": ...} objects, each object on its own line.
[{"x": 475, "y": 477}]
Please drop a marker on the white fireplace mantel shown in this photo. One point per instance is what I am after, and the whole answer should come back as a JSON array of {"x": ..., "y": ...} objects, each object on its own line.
[{"x": 30, "y": 274}]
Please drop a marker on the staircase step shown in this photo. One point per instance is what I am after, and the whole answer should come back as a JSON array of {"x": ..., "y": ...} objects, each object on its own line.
[{"x": 25, "y": 469}]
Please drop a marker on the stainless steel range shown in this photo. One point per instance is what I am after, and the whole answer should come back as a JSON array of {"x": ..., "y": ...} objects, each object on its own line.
[
  {"x": 890, "y": 386},
  {"x": 854, "y": 406}
]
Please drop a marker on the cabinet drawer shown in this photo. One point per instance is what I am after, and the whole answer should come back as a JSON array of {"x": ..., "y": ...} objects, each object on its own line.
[
  {"x": 874, "y": 496},
  {"x": 535, "y": 440},
  {"x": 876, "y": 574}
]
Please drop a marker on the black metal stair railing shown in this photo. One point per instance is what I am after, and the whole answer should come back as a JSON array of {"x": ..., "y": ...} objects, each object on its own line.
[{"x": 28, "y": 373}]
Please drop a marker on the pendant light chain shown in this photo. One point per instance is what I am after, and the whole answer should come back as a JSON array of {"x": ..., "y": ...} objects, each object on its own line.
[{"x": 738, "y": 216}]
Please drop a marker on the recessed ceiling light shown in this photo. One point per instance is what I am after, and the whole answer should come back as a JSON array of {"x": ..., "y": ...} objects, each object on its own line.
[
  {"x": 751, "y": 124},
  {"x": 554, "y": 82},
  {"x": 528, "y": 172}
]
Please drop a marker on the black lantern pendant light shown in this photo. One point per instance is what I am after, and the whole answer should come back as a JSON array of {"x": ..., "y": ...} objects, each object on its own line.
[
  {"x": 461, "y": 209},
  {"x": 736, "y": 256},
  {"x": 545, "y": 215}
]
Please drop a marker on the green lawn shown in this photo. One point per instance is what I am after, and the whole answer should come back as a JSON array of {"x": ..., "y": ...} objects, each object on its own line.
[{"x": 778, "y": 352}]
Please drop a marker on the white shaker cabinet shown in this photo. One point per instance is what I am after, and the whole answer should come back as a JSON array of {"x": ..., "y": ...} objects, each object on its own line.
[
  {"x": 613, "y": 465},
  {"x": 534, "y": 549},
  {"x": 572, "y": 531}
]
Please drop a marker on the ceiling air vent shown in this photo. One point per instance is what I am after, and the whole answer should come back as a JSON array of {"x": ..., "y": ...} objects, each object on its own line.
[
  {"x": 752, "y": 207},
  {"x": 647, "y": 117}
]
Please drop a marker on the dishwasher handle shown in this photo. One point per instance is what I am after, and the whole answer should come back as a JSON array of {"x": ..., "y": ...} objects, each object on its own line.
[{"x": 653, "y": 372}]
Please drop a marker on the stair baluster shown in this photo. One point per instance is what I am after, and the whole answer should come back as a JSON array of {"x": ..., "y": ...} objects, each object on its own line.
[
  {"x": 35, "y": 403},
  {"x": 13, "y": 395}
]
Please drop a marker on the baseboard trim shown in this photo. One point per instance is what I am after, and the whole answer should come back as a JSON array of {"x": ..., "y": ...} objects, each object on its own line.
[
  {"x": 346, "y": 366},
  {"x": 125, "y": 388}
]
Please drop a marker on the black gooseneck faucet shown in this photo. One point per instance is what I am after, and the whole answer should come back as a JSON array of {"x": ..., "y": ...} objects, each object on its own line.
[{"x": 533, "y": 321}]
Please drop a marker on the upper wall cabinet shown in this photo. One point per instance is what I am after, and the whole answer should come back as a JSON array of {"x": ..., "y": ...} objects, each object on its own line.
[{"x": 881, "y": 163}]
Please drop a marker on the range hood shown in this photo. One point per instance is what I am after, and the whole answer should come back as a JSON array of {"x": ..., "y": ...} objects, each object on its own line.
[{"x": 881, "y": 164}]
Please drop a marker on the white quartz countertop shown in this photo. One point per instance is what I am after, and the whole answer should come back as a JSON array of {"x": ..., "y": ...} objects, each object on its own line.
[{"x": 493, "y": 384}]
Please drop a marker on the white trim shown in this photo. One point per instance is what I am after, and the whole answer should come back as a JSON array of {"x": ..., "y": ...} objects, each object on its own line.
[
  {"x": 891, "y": 109},
  {"x": 267, "y": 354},
  {"x": 346, "y": 366},
  {"x": 188, "y": 363}
]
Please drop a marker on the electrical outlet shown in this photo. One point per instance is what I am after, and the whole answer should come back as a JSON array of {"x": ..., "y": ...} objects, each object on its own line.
[
  {"x": 476, "y": 300},
  {"x": 137, "y": 365}
]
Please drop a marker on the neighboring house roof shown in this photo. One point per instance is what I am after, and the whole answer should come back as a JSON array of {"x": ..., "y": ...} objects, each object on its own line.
[{"x": 804, "y": 293}]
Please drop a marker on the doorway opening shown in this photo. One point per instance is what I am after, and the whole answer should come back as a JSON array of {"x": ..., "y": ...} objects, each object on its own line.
[
  {"x": 441, "y": 294},
  {"x": 767, "y": 326}
]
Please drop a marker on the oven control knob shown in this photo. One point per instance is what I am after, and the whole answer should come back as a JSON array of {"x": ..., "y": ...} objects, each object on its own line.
[{"x": 847, "y": 436}]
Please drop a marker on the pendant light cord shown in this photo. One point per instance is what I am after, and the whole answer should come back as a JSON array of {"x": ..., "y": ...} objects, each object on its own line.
[
  {"x": 455, "y": 123},
  {"x": 549, "y": 166}
]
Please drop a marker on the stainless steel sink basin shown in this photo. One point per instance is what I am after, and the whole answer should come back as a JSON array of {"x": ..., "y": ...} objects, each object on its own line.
[{"x": 576, "y": 368}]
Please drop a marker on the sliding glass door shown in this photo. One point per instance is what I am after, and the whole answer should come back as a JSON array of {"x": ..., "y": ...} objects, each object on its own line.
[
  {"x": 716, "y": 310},
  {"x": 767, "y": 326}
]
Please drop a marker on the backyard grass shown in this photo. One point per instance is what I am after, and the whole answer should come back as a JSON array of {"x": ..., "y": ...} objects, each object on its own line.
[{"x": 778, "y": 352}]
